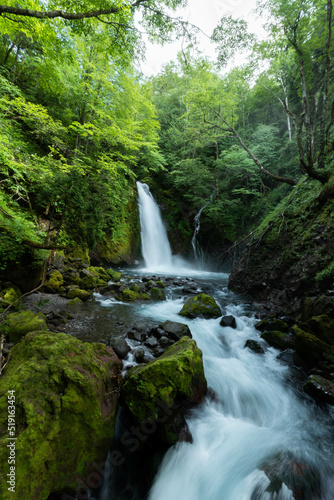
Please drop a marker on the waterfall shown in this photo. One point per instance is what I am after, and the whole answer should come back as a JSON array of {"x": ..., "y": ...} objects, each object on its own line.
[
  {"x": 155, "y": 246},
  {"x": 198, "y": 252}
]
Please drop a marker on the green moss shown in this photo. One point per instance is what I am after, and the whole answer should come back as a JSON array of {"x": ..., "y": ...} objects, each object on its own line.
[
  {"x": 309, "y": 347},
  {"x": 74, "y": 302},
  {"x": 157, "y": 294},
  {"x": 54, "y": 282},
  {"x": 280, "y": 340},
  {"x": 130, "y": 295},
  {"x": 11, "y": 294},
  {"x": 75, "y": 293},
  {"x": 266, "y": 325},
  {"x": 65, "y": 411},
  {"x": 20, "y": 323},
  {"x": 201, "y": 305},
  {"x": 160, "y": 284},
  {"x": 80, "y": 253},
  {"x": 174, "y": 378},
  {"x": 322, "y": 327},
  {"x": 114, "y": 275}
]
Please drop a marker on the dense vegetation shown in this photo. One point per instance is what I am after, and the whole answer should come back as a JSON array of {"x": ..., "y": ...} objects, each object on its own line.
[{"x": 79, "y": 124}]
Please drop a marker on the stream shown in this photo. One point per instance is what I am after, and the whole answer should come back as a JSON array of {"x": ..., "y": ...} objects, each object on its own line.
[{"x": 256, "y": 436}]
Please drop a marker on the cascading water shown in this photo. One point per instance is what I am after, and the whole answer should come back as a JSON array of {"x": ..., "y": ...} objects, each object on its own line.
[
  {"x": 197, "y": 249},
  {"x": 155, "y": 246}
]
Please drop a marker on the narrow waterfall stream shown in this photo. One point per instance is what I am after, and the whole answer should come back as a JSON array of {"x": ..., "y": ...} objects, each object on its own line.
[{"x": 256, "y": 436}]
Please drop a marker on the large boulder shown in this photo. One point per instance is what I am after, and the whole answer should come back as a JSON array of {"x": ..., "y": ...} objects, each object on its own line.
[
  {"x": 279, "y": 340},
  {"x": 310, "y": 348},
  {"x": 55, "y": 282},
  {"x": 201, "y": 305},
  {"x": 322, "y": 327},
  {"x": 20, "y": 323},
  {"x": 175, "y": 330},
  {"x": 158, "y": 393},
  {"x": 65, "y": 405},
  {"x": 320, "y": 389}
]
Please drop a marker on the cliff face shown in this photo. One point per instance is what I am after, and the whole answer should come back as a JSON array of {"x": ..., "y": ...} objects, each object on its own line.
[{"x": 290, "y": 256}]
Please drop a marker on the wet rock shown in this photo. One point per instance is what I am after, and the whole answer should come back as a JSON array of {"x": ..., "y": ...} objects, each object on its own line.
[
  {"x": 279, "y": 340},
  {"x": 120, "y": 346},
  {"x": 175, "y": 330},
  {"x": 320, "y": 389},
  {"x": 309, "y": 347},
  {"x": 157, "y": 293},
  {"x": 20, "y": 323},
  {"x": 75, "y": 293},
  {"x": 322, "y": 327},
  {"x": 201, "y": 305},
  {"x": 228, "y": 321},
  {"x": 151, "y": 342},
  {"x": 255, "y": 346},
  {"x": 286, "y": 356},
  {"x": 165, "y": 341},
  {"x": 166, "y": 387},
  {"x": 138, "y": 333},
  {"x": 139, "y": 355},
  {"x": 157, "y": 332},
  {"x": 268, "y": 325},
  {"x": 66, "y": 406}
]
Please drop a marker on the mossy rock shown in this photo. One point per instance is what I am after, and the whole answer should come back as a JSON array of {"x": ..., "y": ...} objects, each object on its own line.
[
  {"x": 162, "y": 389},
  {"x": 20, "y": 323},
  {"x": 114, "y": 275},
  {"x": 320, "y": 389},
  {"x": 55, "y": 282},
  {"x": 322, "y": 327},
  {"x": 135, "y": 287},
  {"x": 201, "y": 305},
  {"x": 310, "y": 348},
  {"x": 280, "y": 340},
  {"x": 130, "y": 295},
  {"x": 157, "y": 294},
  {"x": 93, "y": 277},
  {"x": 65, "y": 412},
  {"x": 79, "y": 253},
  {"x": 160, "y": 284},
  {"x": 75, "y": 302},
  {"x": 75, "y": 293},
  {"x": 11, "y": 294},
  {"x": 267, "y": 325}
]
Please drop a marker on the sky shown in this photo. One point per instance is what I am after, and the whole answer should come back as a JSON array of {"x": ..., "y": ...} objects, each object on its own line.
[{"x": 206, "y": 16}]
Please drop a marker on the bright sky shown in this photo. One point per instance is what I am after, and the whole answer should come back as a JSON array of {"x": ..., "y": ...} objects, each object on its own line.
[{"x": 206, "y": 16}]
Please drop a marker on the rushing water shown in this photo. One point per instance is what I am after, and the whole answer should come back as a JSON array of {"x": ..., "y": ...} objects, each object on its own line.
[{"x": 256, "y": 436}]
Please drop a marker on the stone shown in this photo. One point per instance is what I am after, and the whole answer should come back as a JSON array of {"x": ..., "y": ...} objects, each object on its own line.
[
  {"x": 157, "y": 293},
  {"x": 160, "y": 391},
  {"x": 120, "y": 346},
  {"x": 269, "y": 325},
  {"x": 322, "y": 327},
  {"x": 114, "y": 275},
  {"x": 66, "y": 402},
  {"x": 228, "y": 321},
  {"x": 309, "y": 347},
  {"x": 255, "y": 346},
  {"x": 160, "y": 284},
  {"x": 320, "y": 389},
  {"x": 130, "y": 295},
  {"x": 80, "y": 294},
  {"x": 55, "y": 282},
  {"x": 139, "y": 355},
  {"x": 151, "y": 342},
  {"x": 201, "y": 305},
  {"x": 175, "y": 330},
  {"x": 165, "y": 341},
  {"x": 20, "y": 323},
  {"x": 138, "y": 334},
  {"x": 11, "y": 294},
  {"x": 279, "y": 340},
  {"x": 75, "y": 302}
]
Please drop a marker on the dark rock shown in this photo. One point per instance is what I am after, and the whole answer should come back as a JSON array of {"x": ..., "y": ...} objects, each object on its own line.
[
  {"x": 322, "y": 327},
  {"x": 151, "y": 342},
  {"x": 320, "y": 389},
  {"x": 157, "y": 293},
  {"x": 138, "y": 333},
  {"x": 255, "y": 346},
  {"x": 165, "y": 341},
  {"x": 175, "y": 330},
  {"x": 157, "y": 332},
  {"x": 286, "y": 356},
  {"x": 309, "y": 347},
  {"x": 120, "y": 347},
  {"x": 279, "y": 340},
  {"x": 228, "y": 321},
  {"x": 139, "y": 355},
  {"x": 268, "y": 325}
]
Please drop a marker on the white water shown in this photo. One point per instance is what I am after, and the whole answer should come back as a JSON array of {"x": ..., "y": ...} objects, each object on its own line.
[
  {"x": 255, "y": 416},
  {"x": 156, "y": 250},
  {"x": 198, "y": 252}
]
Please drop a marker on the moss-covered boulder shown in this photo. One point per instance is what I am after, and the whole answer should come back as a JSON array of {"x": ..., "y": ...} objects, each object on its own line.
[
  {"x": 77, "y": 293},
  {"x": 201, "y": 305},
  {"x": 280, "y": 340},
  {"x": 114, "y": 275},
  {"x": 11, "y": 294},
  {"x": 54, "y": 282},
  {"x": 161, "y": 390},
  {"x": 270, "y": 325},
  {"x": 93, "y": 277},
  {"x": 157, "y": 293},
  {"x": 65, "y": 412},
  {"x": 20, "y": 323},
  {"x": 320, "y": 389},
  {"x": 322, "y": 327},
  {"x": 310, "y": 348},
  {"x": 128, "y": 294}
]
